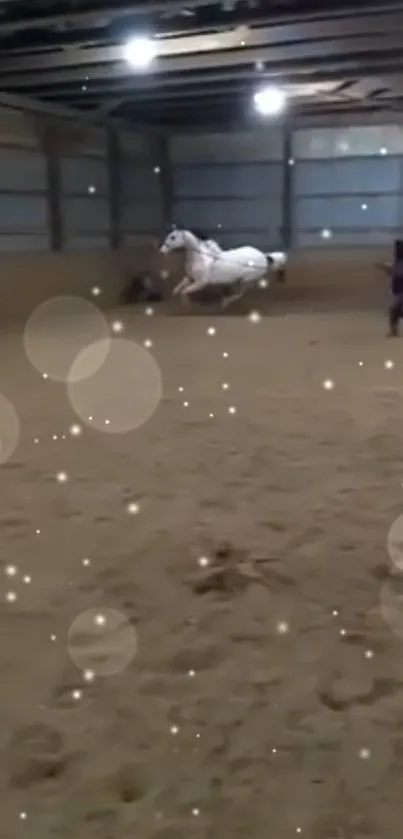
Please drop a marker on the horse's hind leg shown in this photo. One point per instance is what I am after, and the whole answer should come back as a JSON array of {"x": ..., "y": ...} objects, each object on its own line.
[{"x": 236, "y": 296}]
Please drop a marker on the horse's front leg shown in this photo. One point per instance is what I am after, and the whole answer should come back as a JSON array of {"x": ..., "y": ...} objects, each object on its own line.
[
  {"x": 182, "y": 285},
  {"x": 235, "y": 296},
  {"x": 197, "y": 285}
]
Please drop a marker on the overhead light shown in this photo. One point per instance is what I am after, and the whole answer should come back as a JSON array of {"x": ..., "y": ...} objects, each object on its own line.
[
  {"x": 140, "y": 52},
  {"x": 270, "y": 101}
]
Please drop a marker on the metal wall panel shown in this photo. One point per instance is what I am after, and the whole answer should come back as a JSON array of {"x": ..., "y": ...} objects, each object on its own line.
[
  {"x": 23, "y": 214},
  {"x": 79, "y": 175},
  {"x": 346, "y": 238},
  {"x": 86, "y": 215},
  {"x": 141, "y": 216},
  {"x": 22, "y": 171},
  {"x": 24, "y": 243},
  {"x": 348, "y": 177},
  {"x": 139, "y": 181},
  {"x": 246, "y": 214},
  {"x": 239, "y": 146},
  {"x": 86, "y": 243},
  {"x": 352, "y": 141},
  {"x": 347, "y": 212},
  {"x": 234, "y": 180}
]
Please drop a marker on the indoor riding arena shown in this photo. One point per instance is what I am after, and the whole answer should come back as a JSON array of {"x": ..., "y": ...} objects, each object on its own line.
[{"x": 201, "y": 535}]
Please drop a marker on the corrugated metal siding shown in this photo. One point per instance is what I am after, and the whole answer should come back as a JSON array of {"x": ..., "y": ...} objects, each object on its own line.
[
  {"x": 141, "y": 193},
  {"x": 347, "y": 186},
  {"x": 231, "y": 186},
  {"x": 85, "y": 201},
  {"x": 23, "y": 200}
]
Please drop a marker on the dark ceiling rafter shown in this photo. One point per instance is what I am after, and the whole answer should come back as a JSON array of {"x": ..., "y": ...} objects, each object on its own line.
[{"x": 69, "y": 53}]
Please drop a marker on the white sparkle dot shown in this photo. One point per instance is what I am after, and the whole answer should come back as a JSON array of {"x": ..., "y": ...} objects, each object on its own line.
[
  {"x": 195, "y": 811},
  {"x": 203, "y": 561},
  {"x": 149, "y": 311},
  {"x": 23, "y": 816},
  {"x": 263, "y": 283},
  {"x": 282, "y": 628},
  {"x": 11, "y": 597},
  {"x": 225, "y": 386},
  {"x": 75, "y": 430},
  {"x": 100, "y": 620},
  {"x": 76, "y": 694},
  {"x": 211, "y": 330},
  {"x": 181, "y": 389},
  {"x": 133, "y": 508},
  {"x": 96, "y": 291},
  {"x": 328, "y": 384},
  {"x": 174, "y": 729},
  {"x": 11, "y": 570},
  {"x": 198, "y": 736},
  {"x": 335, "y": 612},
  {"x": 299, "y": 830},
  {"x": 232, "y": 409},
  {"x": 117, "y": 326},
  {"x": 364, "y": 206},
  {"x": 191, "y": 673},
  {"x": 90, "y": 419},
  {"x": 45, "y": 376},
  {"x": 148, "y": 344},
  {"x": 164, "y": 274},
  {"x": 360, "y": 363},
  {"x": 37, "y": 532},
  {"x": 186, "y": 404},
  {"x": 343, "y": 632},
  {"x": 211, "y": 416},
  {"x": 255, "y": 317},
  {"x": 389, "y": 364},
  {"x": 326, "y": 233},
  {"x": 383, "y": 150},
  {"x": 62, "y": 477},
  {"x": 89, "y": 675},
  {"x": 156, "y": 170},
  {"x": 52, "y": 637},
  {"x": 291, "y": 162},
  {"x": 86, "y": 561},
  {"x": 274, "y": 751},
  {"x": 225, "y": 355},
  {"x": 369, "y": 654},
  {"x": 92, "y": 189},
  {"x": 27, "y": 579},
  {"x": 107, "y": 422},
  {"x": 54, "y": 437},
  {"x": 36, "y": 440},
  {"x": 364, "y": 754}
]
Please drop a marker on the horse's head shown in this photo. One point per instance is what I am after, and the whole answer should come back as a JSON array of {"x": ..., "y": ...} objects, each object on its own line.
[{"x": 176, "y": 240}]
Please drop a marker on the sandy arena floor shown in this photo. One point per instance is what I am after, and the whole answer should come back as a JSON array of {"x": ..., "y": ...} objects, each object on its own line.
[{"x": 264, "y": 697}]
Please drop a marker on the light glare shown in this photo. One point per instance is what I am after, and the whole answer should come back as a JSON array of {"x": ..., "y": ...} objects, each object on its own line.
[
  {"x": 140, "y": 52},
  {"x": 270, "y": 101}
]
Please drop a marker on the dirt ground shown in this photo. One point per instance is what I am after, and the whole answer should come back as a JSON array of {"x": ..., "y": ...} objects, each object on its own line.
[{"x": 264, "y": 695}]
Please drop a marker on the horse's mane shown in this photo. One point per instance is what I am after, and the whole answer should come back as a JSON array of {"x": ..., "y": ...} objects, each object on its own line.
[{"x": 201, "y": 234}]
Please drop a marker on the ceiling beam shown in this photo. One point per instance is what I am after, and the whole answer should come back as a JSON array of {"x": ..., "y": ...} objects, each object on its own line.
[
  {"x": 167, "y": 85},
  {"x": 263, "y": 36},
  {"x": 346, "y": 50},
  {"x": 91, "y": 16}
]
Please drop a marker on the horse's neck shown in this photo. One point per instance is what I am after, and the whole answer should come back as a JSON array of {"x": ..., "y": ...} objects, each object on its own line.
[{"x": 195, "y": 251}]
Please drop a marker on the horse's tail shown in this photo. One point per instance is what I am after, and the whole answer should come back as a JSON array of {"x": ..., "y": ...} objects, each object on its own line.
[{"x": 276, "y": 266}]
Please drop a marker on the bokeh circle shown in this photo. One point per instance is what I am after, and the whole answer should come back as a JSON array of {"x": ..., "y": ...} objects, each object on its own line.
[
  {"x": 102, "y": 641},
  {"x": 395, "y": 543},
  {"x": 10, "y": 429},
  {"x": 122, "y": 394},
  {"x": 59, "y": 329}
]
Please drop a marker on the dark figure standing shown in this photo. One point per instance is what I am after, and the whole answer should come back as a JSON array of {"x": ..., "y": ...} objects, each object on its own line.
[{"x": 396, "y": 287}]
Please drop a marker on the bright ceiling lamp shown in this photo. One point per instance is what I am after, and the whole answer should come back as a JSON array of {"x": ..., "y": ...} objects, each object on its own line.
[
  {"x": 270, "y": 101},
  {"x": 140, "y": 52}
]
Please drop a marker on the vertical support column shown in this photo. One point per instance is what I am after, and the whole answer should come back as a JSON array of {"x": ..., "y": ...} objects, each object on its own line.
[
  {"x": 287, "y": 188},
  {"x": 54, "y": 188},
  {"x": 114, "y": 178}
]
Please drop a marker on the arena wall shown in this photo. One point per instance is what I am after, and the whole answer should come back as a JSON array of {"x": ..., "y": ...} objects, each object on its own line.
[{"x": 81, "y": 205}]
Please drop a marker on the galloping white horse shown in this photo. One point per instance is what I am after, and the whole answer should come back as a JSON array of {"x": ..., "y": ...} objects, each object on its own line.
[{"x": 208, "y": 265}]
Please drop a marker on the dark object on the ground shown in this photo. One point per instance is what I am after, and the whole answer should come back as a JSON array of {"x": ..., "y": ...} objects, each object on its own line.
[{"x": 142, "y": 289}]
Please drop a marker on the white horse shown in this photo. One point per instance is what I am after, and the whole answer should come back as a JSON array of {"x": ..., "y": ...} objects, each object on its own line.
[{"x": 208, "y": 265}]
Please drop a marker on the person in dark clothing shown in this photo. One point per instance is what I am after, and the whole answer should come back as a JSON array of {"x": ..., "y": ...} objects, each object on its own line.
[{"x": 396, "y": 287}]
